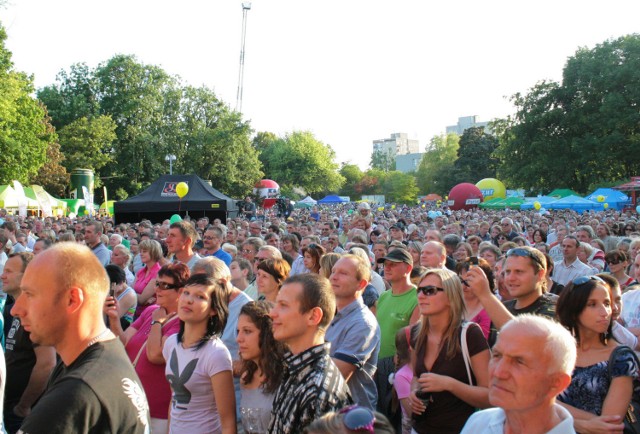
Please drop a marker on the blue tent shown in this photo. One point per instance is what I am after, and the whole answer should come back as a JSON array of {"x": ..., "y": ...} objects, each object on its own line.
[
  {"x": 544, "y": 200},
  {"x": 575, "y": 203},
  {"x": 616, "y": 199},
  {"x": 332, "y": 199}
]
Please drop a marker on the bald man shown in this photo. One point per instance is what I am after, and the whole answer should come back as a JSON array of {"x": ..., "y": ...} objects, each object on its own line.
[{"x": 94, "y": 387}]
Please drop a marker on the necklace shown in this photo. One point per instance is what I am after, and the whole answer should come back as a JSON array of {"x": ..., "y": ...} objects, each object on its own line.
[{"x": 97, "y": 338}]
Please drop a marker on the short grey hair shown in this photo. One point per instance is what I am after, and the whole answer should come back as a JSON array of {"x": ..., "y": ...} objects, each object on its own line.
[
  {"x": 275, "y": 253},
  {"x": 559, "y": 345}
]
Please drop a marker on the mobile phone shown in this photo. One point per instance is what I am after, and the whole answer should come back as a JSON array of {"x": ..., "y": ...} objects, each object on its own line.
[
  {"x": 473, "y": 260},
  {"x": 112, "y": 291}
]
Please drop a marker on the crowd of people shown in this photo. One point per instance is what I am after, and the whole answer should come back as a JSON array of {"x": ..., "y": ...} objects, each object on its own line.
[{"x": 334, "y": 319}]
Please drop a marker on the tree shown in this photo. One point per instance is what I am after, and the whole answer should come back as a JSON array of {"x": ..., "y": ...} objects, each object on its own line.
[
  {"x": 352, "y": 176},
  {"x": 218, "y": 146},
  {"x": 383, "y": 160},
  {"x": 475, "y": 156},
  {"x": 436, "y": 172},
  {"x": 88, "y": 143},
  {"x": 24, "y": 132},
  {"x": 582, "y": 131},
  {"x": 300, "y": 160},
  {"x": 400, "y": 187},
  {"x": 53, "y": 176}
]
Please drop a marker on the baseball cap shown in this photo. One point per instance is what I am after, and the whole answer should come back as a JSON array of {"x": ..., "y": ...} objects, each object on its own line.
[{"x": 398, "y": 255}]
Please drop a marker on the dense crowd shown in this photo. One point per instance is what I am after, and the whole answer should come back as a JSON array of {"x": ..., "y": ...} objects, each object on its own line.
[{"x": 345, "y": 318}]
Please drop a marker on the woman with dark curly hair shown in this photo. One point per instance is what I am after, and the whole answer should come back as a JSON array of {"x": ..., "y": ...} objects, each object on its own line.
[
  {"x": 596, "y": 389},
  {"x": 539, "y": 236},
  {"x": 262, "y": 365},
  {"x": 312, "y": 254}
]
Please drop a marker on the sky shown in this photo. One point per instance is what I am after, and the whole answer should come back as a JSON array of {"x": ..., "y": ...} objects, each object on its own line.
[{"x": 349, "y": 71}]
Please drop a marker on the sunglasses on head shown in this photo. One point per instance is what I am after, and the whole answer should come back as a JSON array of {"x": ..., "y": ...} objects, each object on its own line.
[
  {"x": 356, "y": 418},
  {"x": 429, "y": 290},
  {"x": 585, "y": 279},
  {"x": 524, "y": 253}
]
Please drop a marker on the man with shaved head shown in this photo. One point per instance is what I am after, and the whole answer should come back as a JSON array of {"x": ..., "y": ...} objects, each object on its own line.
[{"x": 94, "y": 387}]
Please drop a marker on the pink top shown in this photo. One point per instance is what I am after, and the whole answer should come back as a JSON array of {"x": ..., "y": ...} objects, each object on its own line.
[
  {"x": 152, "y": 376},
  {"x": 483, "y": 320},
  {"x": 143, "y": 277},
  {"x": 402, "y": 382}
]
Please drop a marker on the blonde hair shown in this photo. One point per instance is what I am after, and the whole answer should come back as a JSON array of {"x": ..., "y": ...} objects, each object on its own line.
[{"x": 453, "y": 291}]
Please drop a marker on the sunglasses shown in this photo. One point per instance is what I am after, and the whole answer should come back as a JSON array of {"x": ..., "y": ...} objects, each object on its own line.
[
  {"x": 164, "y": 285},
  {"x": 429, "y": 290},
  {"x": 259, "y": 260},
  {"x": 207, "y": 237},
  {"x": 585, "y": 279},
  {"x": 356, "y": 418},
  {"x": 524, "y": 253},
  {"x": 613, "y": 262}
]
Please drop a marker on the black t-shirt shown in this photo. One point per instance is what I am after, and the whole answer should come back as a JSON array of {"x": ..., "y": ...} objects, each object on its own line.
[
  {"x": 545, "y": 305},
  {"x": 98, "y": 393},
  {"x": 20, "y": 359}
]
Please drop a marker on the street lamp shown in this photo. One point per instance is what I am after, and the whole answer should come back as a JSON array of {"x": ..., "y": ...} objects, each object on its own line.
[{"x": 170, "y": 158}]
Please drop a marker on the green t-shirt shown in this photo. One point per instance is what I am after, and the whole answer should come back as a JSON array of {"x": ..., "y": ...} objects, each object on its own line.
[{"x": 393, "y": 313}]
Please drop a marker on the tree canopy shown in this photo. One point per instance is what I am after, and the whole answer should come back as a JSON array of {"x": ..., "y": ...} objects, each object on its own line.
[{"x": 583, "y": 130}]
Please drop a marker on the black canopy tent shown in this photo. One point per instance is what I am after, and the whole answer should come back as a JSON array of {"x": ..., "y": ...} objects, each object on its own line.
[{"x": 160, "y": 201}]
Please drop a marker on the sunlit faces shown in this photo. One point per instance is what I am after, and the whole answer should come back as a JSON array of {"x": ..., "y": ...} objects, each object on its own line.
[
  {"x": 309, "y": 261},
  {"x": 489, "y": 256},
  {"x": 520, "y": 276},
  {"x": 91, "y": 236},
  {"x": 518, "y": 371},
  {"x": 636, "y": 268},
  {"x": 118, "y": 258},
  {"x": 12, "y": 275},
  {"x": 343, "y": 278},
  {"x": 432, "y": 304},
  {"x": 266, "y": 283},
  {"x": 41, "y": 304},
  {"x": 145, "y": 256},
  {"x": 596, "y": 315},
  {"x": 175, "y": 241},
  {"x": 431, "y": 256},
  {"x": 194, "y": 304},
  {"x": 211, "y": 240},
  {"x": 289, "y": 324},
  {"x": 616, "y": 302},
  {"x": 236, "y": 271},
  {"x": 248, "y": 339},
  {"x": 569, "y": 249},
  {"x": 379, "y": 251},
  {"x": 166, "y": 292},
  {"x": 394, "y": 271}
]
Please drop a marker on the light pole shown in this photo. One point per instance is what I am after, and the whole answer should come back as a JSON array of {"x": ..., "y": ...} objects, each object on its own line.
[
  {"x": 170, "y": 158},
  {"x": 246, "y": 6}
]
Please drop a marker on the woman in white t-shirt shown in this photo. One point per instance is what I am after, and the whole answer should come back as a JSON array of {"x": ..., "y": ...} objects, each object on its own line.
[{"x": 198, "y": 364}]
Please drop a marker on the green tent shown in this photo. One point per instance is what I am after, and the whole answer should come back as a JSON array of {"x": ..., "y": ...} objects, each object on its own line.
[
  {"x": 490, "y": 203},
  {"x": 563, "y": 192},
  {"x": 497, "y": 203}
]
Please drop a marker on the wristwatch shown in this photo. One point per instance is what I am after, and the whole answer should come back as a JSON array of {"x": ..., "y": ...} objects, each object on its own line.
[{"x": 156, "y": 322}]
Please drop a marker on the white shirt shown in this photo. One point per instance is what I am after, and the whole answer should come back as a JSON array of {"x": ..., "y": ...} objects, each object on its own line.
[
  {"x": 563, "y": 274},
  {"x": 492, "y": 420}
]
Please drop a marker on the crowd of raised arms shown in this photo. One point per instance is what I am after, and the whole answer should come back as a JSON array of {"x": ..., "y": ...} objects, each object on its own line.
[{"x": 339, "y": 319}]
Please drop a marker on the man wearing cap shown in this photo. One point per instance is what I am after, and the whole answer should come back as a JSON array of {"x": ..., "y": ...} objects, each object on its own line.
[
  {"x": 396, "y": 232},
  {"x": 397, "y": 308}
]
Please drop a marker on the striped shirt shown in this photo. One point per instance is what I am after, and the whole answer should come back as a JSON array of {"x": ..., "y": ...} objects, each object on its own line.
[{"x": 312, "y": 386}]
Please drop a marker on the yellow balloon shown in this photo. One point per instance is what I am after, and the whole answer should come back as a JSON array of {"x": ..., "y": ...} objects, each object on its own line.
[
  {"x": 393, "y": 207},
  {"x": 182, "y": 189},
  {"x": 600, "y": 198},
  {"x": 86, "y": 212},
  {"x": 537, "y": 205},
  {"x": 380, "y": 208},
  {"x": 606, "y": 205}
]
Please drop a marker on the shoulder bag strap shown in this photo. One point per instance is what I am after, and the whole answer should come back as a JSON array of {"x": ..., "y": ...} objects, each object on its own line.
[{"x": 465, "y": 349}]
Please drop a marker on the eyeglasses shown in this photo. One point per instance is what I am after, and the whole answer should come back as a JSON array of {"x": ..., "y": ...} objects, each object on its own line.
[
  {"x": 504, "y": 224},
  {"x": 525, "y": 254},
  {"x": 429, "y": 290},
  {"x": 164, "y": 285},
  {"x": 207, "y": 237},
  {"x": 259, "y": 260},
  {"x": 358, "y": 418},
  {"x": 247, "y": 251},
  {"x": 584, "y": 279}
]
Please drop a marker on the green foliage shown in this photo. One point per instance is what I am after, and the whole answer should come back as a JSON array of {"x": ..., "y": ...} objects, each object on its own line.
[
  {"x": 24, "y": 131},
  {"x": 383, "y": 161},
  {"x": 436, "y": 173},
  {"x": 152, "y": 115},
  {"x": 53, "y": 176},
  {"x": 87, "y": 143},
  {"x": 475, "y": 156},
  {"x": 400, "y": 187},
  {"x": 300, "y": 160},
  {"x": 583, "y": 131},
  {"x": 352, "y": 176}
]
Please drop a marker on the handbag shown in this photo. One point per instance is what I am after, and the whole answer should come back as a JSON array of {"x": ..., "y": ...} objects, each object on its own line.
[{"x": 632, "y": 418}]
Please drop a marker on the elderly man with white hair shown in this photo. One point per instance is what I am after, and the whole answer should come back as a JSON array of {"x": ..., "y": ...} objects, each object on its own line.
[{"x": 531, "y": 364}]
